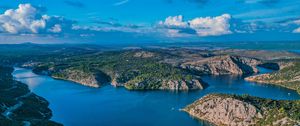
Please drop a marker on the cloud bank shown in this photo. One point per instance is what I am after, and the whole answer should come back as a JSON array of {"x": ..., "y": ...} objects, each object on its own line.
[{"x": 27, "y": 19}]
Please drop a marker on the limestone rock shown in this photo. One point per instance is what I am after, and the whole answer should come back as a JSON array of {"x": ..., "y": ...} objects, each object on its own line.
[
  {"x": 182, "y": 85},
  {"x": 220, "y": 65},
  {"x": 223, "y": 111}
]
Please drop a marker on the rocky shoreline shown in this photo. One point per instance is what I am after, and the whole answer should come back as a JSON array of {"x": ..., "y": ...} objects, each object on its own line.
[
  {"x": 220, "y": 65},
  {"x": 233, "y": 110},
  {"x": 141, "y": 76},
  {"x": 288, "y": 76}
]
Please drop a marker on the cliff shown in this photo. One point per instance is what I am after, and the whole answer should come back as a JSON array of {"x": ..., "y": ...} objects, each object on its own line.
[
  {"x": 89, "y": 78},
  {"x": 18, "y": 106},
  {"x": 231, "y": 110},
  {"x": 86, "y": 78},
  {"x": 224, "y": 64},
  {"x": 174, "y": 85},
  {"x": 193, "y": 84}
]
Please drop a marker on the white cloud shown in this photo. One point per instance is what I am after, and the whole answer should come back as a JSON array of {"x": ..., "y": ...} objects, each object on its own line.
[
  {"x": 297, "y": 24},
  {"x": 176, "y": 21},
  {"x": 297, "y": 30},
  {"x": 56, "y": 28},
  {"x": 211, "y": 25},
  {"x": 28, "y": 19},
  {"x": 202, "y": 26},
  {"x": 21, "y": 19}
]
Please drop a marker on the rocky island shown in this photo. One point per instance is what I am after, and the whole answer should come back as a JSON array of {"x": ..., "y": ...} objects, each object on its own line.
[
  {"x": 19, "y": 106},
  {"x": 233, "y": 110}
]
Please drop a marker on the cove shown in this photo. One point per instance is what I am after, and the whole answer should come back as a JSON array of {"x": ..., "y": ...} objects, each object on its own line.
[{"x": 76, "y": 105}]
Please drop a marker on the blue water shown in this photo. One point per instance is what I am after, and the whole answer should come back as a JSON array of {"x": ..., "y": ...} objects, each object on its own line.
[{"x": 76, "y": 105}]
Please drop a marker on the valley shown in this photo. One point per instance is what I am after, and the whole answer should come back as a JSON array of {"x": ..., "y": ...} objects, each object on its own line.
[
  {"x": 19, "y": 106},
  {"x": 173, "y": 69}
]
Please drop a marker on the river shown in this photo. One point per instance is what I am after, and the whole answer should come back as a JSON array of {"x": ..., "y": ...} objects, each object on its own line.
[{"x": 76, "y": 105}]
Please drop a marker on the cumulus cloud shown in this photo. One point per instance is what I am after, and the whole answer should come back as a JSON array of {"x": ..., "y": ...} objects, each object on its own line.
[
  {"x": 176, "y": 21},
  {"x": 211, "y": 26},
  {"x": 201, "y": 26},
  {"x": 30, "y": 20}
]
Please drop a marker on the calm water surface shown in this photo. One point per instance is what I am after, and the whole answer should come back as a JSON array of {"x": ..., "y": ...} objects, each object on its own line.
[{"x": 76, "y": 105}]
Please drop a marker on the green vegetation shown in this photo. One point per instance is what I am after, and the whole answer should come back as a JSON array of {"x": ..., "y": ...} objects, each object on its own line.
[
  {"x": 15, "y": 98},
  {"x": 122, "y": 66},
  {"x": 272, "y": 110},
  {"x": 288, "y": 77}
]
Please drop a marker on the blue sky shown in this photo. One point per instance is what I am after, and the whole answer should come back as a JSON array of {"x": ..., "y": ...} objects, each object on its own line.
[{"x": 122, "y": 21}]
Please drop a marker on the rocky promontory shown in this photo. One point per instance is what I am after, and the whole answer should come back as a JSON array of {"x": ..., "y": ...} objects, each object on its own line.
[
  {"x": 288, "y": 76},
  {"x": 232, "y": 110},
  {"x": 225, "y": 64},
  {"x": 19, "y": 106},
  {"x": 90, "y": 79},
  {"x": 85, "y": 77}
]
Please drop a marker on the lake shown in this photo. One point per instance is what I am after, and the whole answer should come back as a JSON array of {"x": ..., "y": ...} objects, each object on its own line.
[{"x": 76, "y": 105}]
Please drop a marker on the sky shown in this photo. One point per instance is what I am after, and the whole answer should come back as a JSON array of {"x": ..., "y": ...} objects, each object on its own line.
[{"x": 138, "y": 21}]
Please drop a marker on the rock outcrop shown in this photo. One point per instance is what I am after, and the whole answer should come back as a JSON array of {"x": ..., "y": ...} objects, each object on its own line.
[
  {"x": 157, "y": 79},
  {"x": 219, "y": 65},
  {"x": 90, "y": 79},
  {"x": 87, "y": 78},
  {"x": 224, "y": 111},
  {"x": 193, "y": 84},
  {"x": 173, "y": 85},
  {"x": 84, "y": 78},
  {"x": 233, "y": 110}
]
